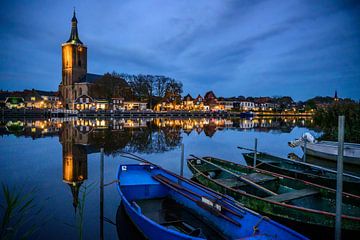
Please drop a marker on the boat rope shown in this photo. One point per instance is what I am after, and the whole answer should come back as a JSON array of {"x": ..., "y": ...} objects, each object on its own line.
[
  {"x": 259, "y": 164},
  {"x": 113, "y": 181},
  {"x": 109, "y": 221},
  {"x": 256, "y": 226}
]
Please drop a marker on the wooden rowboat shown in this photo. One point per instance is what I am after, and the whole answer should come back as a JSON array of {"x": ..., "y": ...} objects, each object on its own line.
[
  {"x": 163, "y": 205},
  {"x": 276, "y": 195},
  {"x": 304, "y": 171}
]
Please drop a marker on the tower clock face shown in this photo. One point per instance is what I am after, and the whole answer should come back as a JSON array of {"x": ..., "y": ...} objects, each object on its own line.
[{"x": 80, "y": 49}]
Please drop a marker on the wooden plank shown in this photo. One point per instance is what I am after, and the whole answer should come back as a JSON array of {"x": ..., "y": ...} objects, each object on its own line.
[
  {"x": 293, "y": 195},
  {"x": 259, "y": 177},
  {"x": 239, "y": 176},
  {"x": 230, "y": 182}
]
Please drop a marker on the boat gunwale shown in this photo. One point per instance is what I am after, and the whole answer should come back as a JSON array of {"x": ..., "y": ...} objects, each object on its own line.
[
  {"x": 288, "y": 177},
  {"x": 264, "y": 162},
  {"x": 150, "y": 221},
  {"x": 349, "y": 178},
  {"x": 227, "y": 199},
  {"x": 280, "y": 203}
]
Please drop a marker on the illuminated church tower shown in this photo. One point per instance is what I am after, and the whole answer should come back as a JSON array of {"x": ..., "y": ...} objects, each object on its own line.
[{"x": 74, "y": 67}]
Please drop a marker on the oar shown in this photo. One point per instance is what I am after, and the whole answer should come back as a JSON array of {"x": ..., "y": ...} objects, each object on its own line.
[
  {"x": 239, "y": 176},
  {"x": 196, "y": 194},
  {"x": 303, "y": 163},
  {"x": 200, "y": 203},
  {"x": 208, "y": 190}
]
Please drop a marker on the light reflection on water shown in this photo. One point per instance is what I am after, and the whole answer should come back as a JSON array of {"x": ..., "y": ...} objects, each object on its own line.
[{"x": 61, "y": 157}]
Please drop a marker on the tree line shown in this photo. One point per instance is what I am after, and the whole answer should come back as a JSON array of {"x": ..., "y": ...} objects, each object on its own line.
[
  {"x": 327, "y": 120},
  {"x": 149, "y": 88}
]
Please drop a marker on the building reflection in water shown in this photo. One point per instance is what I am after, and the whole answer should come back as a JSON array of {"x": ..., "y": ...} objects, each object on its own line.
[
  {"x": 80, "y": 137},
  {"x": 74, "y": 158}
]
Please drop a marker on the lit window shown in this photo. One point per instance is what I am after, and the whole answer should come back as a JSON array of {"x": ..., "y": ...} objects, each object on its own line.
[{"x": 32, "y": 98}]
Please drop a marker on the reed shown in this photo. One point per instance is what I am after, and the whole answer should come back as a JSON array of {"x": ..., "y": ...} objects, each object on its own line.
[
  {"x": 85, "y": 190},
  {"x": 18, "y": 212}
]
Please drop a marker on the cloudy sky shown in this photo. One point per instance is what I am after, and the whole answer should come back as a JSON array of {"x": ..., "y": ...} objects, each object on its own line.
[{"x": 241, "y": 47}]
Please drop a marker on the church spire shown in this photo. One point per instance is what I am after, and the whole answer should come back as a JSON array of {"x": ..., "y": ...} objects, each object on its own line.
[
  {"x": 74, "y": 36},
  {"x": 336, "y": 96}
]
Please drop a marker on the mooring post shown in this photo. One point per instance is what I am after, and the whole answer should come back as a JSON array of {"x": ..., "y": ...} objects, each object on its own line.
[
  {"x": 182, "y": 161},
  {"x": 102, "y": 193},
  {"x": 255, "y": 152},
  {"x": 339, "y": 177},
  {"x": 304, "y": 157}
]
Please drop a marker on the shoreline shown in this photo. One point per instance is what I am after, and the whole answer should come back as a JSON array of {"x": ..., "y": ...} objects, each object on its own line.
[{"x": 44, "y": 113}]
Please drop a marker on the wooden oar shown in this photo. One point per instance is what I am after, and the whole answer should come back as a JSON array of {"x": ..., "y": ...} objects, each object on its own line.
[
  {"x": 303, "y": 163},
  {"x": 239, "y": 176},
  {"x": 217, "y": 195},
  {"x": 196, "y": 194},
  {"x": 198, "y": 202}
]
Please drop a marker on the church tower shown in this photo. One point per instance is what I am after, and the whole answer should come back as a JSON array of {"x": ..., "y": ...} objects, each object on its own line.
[{"x": 74, "y": 65}]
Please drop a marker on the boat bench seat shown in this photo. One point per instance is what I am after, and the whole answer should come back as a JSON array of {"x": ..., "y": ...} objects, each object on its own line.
[
  {"x": 259, "y": 178},
  {"x": 254, "y": 177},
  {"x": 285, "y": 197},
  {"x": 230, "y": 182}
]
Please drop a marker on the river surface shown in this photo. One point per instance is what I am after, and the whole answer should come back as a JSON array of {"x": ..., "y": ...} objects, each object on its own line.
[{"x": 58, "y": 162}]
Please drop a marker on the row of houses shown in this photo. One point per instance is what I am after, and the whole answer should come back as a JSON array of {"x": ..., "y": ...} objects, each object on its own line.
[
  {"x": 36, "y": 99},
  {"x": 30, "y": 99},
  {"x": 211, "y": 103},
  {"x": 85, "y": 102}
]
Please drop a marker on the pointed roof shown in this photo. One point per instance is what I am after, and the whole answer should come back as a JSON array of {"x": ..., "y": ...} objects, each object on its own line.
[
  {"x": 74, "y": 35},
  {"x": 188, "y": 98}
]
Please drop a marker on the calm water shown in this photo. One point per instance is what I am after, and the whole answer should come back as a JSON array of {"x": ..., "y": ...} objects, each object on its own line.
[{"x": 59, "y": 161}]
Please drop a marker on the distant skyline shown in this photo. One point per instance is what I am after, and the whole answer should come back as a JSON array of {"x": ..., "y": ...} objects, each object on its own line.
[{"x": 291, "y": 48}]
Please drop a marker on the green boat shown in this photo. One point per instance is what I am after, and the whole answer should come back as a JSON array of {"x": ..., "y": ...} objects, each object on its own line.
[
  {"x": 276, "y": 195},
  {"x": 304, "y": 171}
]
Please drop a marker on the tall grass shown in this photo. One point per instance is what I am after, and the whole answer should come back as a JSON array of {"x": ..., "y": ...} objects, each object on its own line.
[
  {"x": 18, "y": 211},
  {"x": 84, "y": 192}
]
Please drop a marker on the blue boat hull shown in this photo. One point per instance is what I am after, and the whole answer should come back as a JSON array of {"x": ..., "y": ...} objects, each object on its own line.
[{"x": 137, "y": 182}]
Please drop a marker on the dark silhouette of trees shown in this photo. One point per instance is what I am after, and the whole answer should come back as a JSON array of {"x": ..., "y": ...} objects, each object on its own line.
[
  {"x": 327, "y": 120},
  {"x": 154, "y": 88},
  {"x": 111, "y": 85}
]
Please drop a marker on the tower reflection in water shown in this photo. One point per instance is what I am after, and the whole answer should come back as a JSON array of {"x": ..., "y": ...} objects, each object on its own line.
[
  {"x": 74, "y": 161},
  {"x": 80, "y": 137}
]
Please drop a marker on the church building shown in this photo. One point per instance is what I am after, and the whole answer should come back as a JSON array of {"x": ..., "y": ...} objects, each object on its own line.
[
  {"x": 76, "y": 81},
  {"x": 76, "y": 85}
]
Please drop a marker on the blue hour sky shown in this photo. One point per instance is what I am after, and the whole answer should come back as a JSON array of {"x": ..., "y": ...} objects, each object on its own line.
[{"x": 299, "y": 48}]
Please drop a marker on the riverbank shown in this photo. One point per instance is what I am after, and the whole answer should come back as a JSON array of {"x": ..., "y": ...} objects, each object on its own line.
[{"x": 36, "y": 113}]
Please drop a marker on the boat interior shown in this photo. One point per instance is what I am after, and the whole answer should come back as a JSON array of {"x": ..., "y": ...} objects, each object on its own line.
[
  {"x": 166, "y": 206},
  {"x": 285, "y": 191},
  {"x": 168, "y": 213}
]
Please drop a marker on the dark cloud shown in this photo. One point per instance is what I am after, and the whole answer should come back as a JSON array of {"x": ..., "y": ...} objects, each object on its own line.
[{"x": 262, "y": 47}]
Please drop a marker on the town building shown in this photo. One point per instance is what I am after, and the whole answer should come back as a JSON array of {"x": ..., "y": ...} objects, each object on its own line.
[{"x": 77, "y": 84}]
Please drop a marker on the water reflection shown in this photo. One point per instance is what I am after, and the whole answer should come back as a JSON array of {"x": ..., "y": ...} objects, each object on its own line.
[
  {"x": 156, "y": 139},
  {"x": 80, "y": 137},
  {"x": 74, "y": 156},
  {"x": 142, "y": 132}
]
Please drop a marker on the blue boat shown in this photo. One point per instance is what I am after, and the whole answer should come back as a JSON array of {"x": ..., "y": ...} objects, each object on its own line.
[{"x": 163, "y": 205}]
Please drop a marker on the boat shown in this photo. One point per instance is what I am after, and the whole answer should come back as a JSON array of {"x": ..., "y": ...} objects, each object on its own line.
[
  {"x": 163, "y": 205},
  {"x": 327, "y": 149},
  {"x": 280, "y": 197},
  {"x": 247, "y": 114},
  {"x": 305, "y": 171}
]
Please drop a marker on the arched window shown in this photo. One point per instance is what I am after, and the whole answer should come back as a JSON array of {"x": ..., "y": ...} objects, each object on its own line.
[
  {"x": 75, "y": 94},
  {"x": 66, "y": 93},
  {"x": 80, "y": 92}
]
